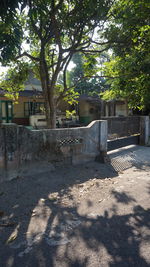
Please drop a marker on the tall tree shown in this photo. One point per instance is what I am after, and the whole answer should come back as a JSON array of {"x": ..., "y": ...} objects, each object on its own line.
[
  {"x": 54, "y": 31},
  {"x": 129, "y": 34}
]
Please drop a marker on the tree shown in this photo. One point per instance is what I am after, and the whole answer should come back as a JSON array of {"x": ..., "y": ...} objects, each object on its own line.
[
  {"x": 86, "y": 76},
  {"x": 54, "y": 31},
  {"x": 128, "y": 81},
  {"x": 11, "y": 33},
  {"x": 129, "y": 34}
]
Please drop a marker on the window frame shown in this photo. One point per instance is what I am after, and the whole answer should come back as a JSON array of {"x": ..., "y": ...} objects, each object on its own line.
[{"x": 31, "y": 108}]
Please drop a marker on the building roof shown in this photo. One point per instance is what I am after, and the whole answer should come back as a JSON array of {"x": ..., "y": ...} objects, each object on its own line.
[
  {"x": 96, "y": 100},
  {"x": 90, "y": 99},
  {"x": 29, "y": 93},
  {"x": 117, "y": 101},
  {"x": 25, "y": 93}
]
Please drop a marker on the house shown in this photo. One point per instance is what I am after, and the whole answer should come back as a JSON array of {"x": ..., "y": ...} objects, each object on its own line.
[
  {"x": 29, "y": 109},
  {"x": 31, "y": 105},
  {"x": 93, "y": 108},
  {"x": 116, "y": 108},
  {"x": 30, "y": 102},
  {"x": 89, "y": 108}
]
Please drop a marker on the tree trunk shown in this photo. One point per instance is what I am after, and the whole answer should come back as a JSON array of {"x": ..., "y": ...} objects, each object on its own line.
[
  {"x": 48, "y": 91},
  {"x": 47, "y": 113},
  {"x": 50, "y": 116},
  {"x": 50, "y": 108}
]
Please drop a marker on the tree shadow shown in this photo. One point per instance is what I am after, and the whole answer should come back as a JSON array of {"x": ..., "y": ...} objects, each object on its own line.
[
  {"x": 51, "y": 232},
  {"x": 122, "y": 197}
]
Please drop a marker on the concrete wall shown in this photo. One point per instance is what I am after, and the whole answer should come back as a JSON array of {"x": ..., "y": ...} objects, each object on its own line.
[
  {"x": 24, "y": 151},
  {"x": 21, "y": 149}
]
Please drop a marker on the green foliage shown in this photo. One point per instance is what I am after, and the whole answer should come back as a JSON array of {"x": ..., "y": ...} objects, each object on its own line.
[
  {"x": 70, "y": 114},
  {"x": 48, "y": 33},
  {"x": 11, "y": 31},
  {"x": 90, "y": 65},
  {"x": 71, "y": 97},
  {"x": 82, "y": 75},
  {"x": 129, "y": 70},
  {"x": 13, "y": 82},
  {"x": 129, "y": 19}
]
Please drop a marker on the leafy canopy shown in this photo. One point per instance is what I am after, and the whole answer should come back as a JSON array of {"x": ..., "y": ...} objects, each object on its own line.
[
  {"x": 11, "y": 32},
  {"x": 129, "y": 32},
  {"x": 48, "y": 33},
  {"x": 86, "y": 76},
  {"x": 13, "y": 82}
]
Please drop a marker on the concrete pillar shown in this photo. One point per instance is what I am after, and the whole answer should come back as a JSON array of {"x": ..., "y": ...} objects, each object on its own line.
[
  {"x": 2, "y": 153},
  {"x": 144, "y": 130},
  {"x": 103, "y": 133},
  {"x": 9, "y": 151}
]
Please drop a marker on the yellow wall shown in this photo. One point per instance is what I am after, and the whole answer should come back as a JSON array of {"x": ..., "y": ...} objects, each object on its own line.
[
  {"x": 18, "y": 109},
  {"x": 121, "y": 110},
  {"x": 84, "y": 108}
]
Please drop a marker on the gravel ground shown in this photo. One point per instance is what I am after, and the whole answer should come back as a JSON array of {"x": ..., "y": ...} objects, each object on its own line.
[{"x": 91, "y": 215}]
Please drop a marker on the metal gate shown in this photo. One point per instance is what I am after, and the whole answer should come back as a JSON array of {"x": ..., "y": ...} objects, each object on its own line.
[
  {"x": 122, "y": 142},
  {"x": 123, "y": 131}
]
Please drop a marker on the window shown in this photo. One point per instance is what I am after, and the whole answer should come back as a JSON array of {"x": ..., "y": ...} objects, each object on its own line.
[{"x": 33, "y": 108}]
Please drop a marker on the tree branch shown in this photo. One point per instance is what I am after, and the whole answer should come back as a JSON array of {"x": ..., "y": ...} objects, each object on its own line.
[
  {"x": 90, "y": 51},
  {"x": 65, "y": 70},
  {"x": 64, "y": 78},
  {"x": 99, "y": 43},
  {"x": 25, "y": 54}
]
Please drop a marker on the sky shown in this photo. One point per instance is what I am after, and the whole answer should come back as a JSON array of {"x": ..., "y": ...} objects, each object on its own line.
[{"x": 3, "y": 69}]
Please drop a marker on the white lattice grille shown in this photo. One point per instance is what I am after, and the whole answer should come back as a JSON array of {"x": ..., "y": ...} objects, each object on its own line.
[{"x": 69, "y": 141}]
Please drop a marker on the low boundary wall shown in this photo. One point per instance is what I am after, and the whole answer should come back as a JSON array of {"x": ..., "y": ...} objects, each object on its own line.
[{"x": 21, "y": 148}]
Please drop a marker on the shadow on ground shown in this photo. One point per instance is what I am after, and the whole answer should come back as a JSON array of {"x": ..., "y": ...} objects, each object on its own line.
[{"x": 47, "y": 232}]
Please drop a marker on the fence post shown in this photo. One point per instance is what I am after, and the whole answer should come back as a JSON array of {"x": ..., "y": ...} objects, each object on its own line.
[
  {"x": 2, "y": 154},
  {"x": 103, "y": 133},
  {"x": 144, "y": 130}
]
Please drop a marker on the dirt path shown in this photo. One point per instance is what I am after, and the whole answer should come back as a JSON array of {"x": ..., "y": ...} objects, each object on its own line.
[{"x": 91, "y": 215}]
